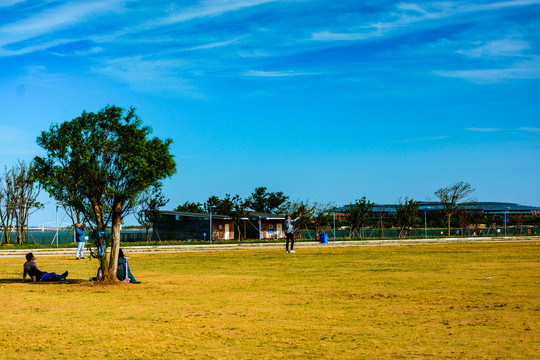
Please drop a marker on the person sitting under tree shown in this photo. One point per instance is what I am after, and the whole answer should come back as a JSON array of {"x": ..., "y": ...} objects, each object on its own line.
[
  {"x": 123, "y": 273},
  {"x": 35, "y": 274}
]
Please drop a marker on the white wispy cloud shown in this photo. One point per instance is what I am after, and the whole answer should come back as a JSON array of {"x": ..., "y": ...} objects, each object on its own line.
[
  {"x": 412, "y": 13},
  {"x": 156, "y": 21},
  {"x": 397, "y": 19},
  {"x": 211, "y": 8},
  {"x": 53, "y": 19},
  {"x": 254, "y": 53},
  {"x": 521, "y": 70},
  {"x": 7, "y": 3},
  {"x": 33, "y": 48},
  {"x": 214, "y": 45},
  {"x": 411, "y": 7},
  {"x": 497, "y": 5},
  {"x": 153, "y": 47},
  {"x": 148, "y": 75},
  {"x": 91, "y": 51},
  {"x": 499, "y": 48},
  {"x": 341, "y": 36},
  {"x": 530, "y": 129}
]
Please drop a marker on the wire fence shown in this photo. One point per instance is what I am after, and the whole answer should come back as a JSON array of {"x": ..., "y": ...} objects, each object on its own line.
[
  {"x": 48, "y": 237},
  {"x": 66, "y": 237},
  {"x": 416, "y": 233}
]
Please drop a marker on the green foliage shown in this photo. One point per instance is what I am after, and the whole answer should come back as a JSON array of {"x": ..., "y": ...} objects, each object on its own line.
[
  {"x": 101, "y": 158},
  {"x": 190, "y": 207},
  {"x": 453, "y": 198},
  {"x": 219, "y": 206},
  {"x": 407, "y": 214},
  {"x": 149, "y": 204},
  {"x": 235, "y": 207},
  {"x": 266, "y": 202},
  {"x": 532, "y": 220},
  {"x": 324, "y": 215},
  {"x": 301, "y": 209},
  {"x": 359, "y": 214}
]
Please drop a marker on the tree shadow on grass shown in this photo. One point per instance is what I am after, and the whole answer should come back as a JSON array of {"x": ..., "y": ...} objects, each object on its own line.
[{"x": 68, "y": 281}]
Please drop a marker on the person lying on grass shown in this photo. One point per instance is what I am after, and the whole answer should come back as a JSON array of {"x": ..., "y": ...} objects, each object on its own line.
[
  {"x": 123, "y": 273},
  {"x": 32, "y": 270}
]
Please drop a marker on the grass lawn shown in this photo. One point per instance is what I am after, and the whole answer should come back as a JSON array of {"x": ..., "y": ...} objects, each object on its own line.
[{"x": 456, "y": 301}]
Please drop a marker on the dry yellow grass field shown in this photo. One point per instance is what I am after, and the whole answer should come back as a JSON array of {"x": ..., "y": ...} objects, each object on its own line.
[{"x": 457, "y": 301}]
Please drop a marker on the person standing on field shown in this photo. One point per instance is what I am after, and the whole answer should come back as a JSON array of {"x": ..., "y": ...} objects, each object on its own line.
[
  {"x": 81, "y": 238},
  {"x": 289, "y": 232}
]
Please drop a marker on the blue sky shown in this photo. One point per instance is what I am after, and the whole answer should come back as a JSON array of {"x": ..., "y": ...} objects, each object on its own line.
[{"x": 326, "y": 101}]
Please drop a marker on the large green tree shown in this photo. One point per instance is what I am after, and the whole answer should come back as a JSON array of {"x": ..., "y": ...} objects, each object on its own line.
[{"x": 100, "y": 164}]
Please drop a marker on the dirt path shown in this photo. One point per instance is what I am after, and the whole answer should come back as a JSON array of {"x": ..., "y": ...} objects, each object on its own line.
[{"x": 254, "y": 246}]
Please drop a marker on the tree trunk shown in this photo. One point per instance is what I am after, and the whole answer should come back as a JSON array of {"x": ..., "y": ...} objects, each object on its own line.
[
  {"x": 97, "y": 213},
  {"x": 115, "y": 246},
  {"x": 103, "y": 264},
  {"x": 448, "y": 222},
  {"x": 17, "y": 232}
]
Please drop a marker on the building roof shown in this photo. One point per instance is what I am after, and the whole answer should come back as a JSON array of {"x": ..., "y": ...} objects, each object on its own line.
[
  {"x": 194, "y": 215},
  {"x": 487, "y": 207},
  {"x": 252, "y": 215}
]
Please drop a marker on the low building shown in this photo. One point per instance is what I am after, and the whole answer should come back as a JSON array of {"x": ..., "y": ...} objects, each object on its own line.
[
  {"x": 176, "y": 225},
  {"x": 264, "y": 226}
]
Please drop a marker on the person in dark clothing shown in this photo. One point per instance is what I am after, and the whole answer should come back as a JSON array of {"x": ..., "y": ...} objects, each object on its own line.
[
  {"x": 31, "y": 269},
  {"x": 123, "y": 273},
  {"x": 289, "y": 232}
]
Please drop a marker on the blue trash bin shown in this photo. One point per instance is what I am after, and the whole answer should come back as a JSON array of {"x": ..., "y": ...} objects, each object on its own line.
[{"x": 324, "y": 238}]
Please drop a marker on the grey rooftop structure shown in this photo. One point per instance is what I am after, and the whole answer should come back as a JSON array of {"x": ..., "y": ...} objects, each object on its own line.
[{"x": 480, "y": 206}]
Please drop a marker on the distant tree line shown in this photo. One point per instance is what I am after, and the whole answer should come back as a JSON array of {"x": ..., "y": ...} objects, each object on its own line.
[{"x": 359, "y": 215}]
